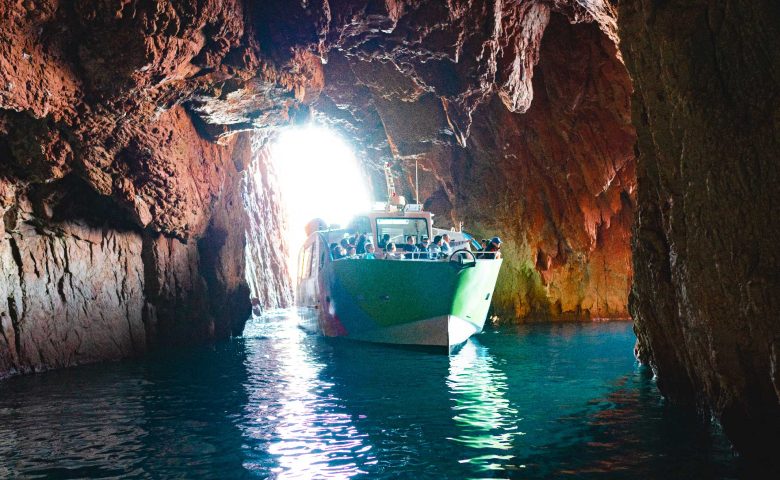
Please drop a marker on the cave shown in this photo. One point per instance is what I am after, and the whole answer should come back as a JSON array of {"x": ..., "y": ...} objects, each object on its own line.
[{"x": 625, "y": 150}]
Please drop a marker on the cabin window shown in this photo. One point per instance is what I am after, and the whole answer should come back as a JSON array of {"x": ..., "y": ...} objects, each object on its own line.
[{"x": 400, "y": 228}]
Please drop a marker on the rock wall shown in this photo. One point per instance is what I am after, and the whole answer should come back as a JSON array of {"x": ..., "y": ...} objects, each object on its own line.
[
  {"x": 71, "y": 293},
  {"x": 81, "y": 282},
  {"x": 705, "y": 295},
  {"x": 519, "y": 118},
  {"x": 124, "y": 156},
  {"x": 266, "y": 254}
]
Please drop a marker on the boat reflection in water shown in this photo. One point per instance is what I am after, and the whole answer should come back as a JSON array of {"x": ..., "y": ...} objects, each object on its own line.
[
  {"x": 311, "y": 435},
  {"x": 486, "y": 422}
]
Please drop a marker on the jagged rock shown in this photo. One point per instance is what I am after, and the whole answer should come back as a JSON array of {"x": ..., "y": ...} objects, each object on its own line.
[
  {"x": 71, "y": 294},
  {"x": 557, "y": 181}
]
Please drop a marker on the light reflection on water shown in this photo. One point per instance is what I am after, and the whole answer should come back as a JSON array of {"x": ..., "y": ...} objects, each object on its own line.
[
  {"x": 487, "y": 422},
  {"x": 314, "y": 436},
  {"x": 535, "y": 401}
]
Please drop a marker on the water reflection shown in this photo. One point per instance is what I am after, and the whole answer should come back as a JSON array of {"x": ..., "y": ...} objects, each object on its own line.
[
  {"x": 310, "y": 434},
  {"x": 281, "y": 404},
  {"x": 487, "y": 423}
]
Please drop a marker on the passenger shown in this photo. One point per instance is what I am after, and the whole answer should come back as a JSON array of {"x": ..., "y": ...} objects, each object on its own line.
[
  {"x": 494, "y": 248},
  {"x": 445, "y": 244},
  {"x": 338, "y": 252},
  {"x": 361, "y": 244},
  {"x": 484, "y": 244},
  {"x": 434, "y": 249},
  {"x": 409, "y": 247},
  {"x": 344, "y": 243},
  {"x": 370, "y": 255},
  {"x": 423, "y": 248},
  {"x": 390, "y": 252},
  {"x": 385, "y": 240},
  {"x": 352, "y": 252}
]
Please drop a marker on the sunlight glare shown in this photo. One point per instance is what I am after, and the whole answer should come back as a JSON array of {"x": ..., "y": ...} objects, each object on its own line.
[{"x": 319, "y": 177}]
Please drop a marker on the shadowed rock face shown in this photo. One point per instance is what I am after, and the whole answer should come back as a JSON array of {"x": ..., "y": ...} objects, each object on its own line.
[
  {"x": 705, "y": 296},
  {"x": 139, "y": 207}
]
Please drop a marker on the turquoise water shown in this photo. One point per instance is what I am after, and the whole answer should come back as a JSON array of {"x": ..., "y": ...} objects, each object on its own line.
[{"x": 535, "y": 401}]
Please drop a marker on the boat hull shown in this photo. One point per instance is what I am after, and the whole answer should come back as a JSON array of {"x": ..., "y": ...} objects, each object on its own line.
[{"x": 404, "y": 302}]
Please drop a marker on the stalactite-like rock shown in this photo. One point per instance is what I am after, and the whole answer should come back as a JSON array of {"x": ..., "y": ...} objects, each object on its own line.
[{"x": 556, "y": 181}]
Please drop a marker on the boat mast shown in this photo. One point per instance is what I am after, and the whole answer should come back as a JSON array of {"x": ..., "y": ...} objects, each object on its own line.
[
  {"x": 390, "y": 184},
  {"x": 416, "y": 184}
]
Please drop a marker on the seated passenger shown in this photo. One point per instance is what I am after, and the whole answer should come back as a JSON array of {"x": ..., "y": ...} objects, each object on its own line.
[
  {"x": 390, "y": 252},
  {"x": 434, "y": 249},
  {"x": 409, "y": 247},
  {"x": 445, "y": 244},
  {"x": 423, "y": 248},
  {"x": 338, "y": 252},
  {"x": 384, "y": 241},
  {"x": 493, "y": 250},
  {"x": 370, "y": 255},
  {"x": 352, "y": 252}
]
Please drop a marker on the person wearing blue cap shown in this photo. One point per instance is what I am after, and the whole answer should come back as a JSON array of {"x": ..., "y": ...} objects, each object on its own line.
[{"x": 494, "y": 248}]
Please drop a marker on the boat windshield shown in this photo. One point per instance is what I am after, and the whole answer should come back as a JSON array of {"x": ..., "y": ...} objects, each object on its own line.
[{"x": 400, "y": 228}]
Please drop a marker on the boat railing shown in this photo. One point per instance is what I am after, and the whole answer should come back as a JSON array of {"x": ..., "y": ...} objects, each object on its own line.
[{"x": 420, "y": 256}]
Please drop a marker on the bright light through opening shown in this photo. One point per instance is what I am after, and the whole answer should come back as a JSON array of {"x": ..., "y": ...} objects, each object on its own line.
[{"x": 319, "y": 177}]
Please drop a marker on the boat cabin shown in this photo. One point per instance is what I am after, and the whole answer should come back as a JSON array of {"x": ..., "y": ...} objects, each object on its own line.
[{"x": 398, "y": 225}]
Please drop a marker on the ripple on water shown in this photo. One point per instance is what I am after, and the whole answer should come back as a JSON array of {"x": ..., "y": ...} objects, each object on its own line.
[{"x": 528, "y": 402}]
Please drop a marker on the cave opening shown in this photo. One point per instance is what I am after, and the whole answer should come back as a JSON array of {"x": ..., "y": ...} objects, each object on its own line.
[{"x": 318, "y": 176}]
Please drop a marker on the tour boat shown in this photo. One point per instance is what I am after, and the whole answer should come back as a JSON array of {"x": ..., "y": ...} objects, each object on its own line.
[{"x": 417, "y": 301}]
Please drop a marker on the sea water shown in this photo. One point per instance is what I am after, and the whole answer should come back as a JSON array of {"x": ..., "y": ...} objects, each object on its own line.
[{"x": 539, "y": 401}]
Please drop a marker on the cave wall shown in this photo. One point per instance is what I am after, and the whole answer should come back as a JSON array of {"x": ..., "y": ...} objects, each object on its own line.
[
  {"x": 557, "y": 182},
  {"x": 540, "y": 154},
  {"x": 704, "y": 299},
  {"x": 147, "y": 124},
  {"x": 71, "y": 293},
  {"x": 266, "y": 254},
  {"x": 125, "y": 148},
  {"x": 135, "y": 188}
]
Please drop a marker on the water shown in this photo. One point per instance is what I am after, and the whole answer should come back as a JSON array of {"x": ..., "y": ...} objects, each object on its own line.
[{"x": 529, "y": 402}]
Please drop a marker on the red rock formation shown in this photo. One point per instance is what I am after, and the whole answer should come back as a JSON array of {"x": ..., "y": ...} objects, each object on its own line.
[
  {"x": 557, "y": 180},
  {"x": 125, "y": 125},
  {"x": 266, "y": 253},
  {"x": 127, "y": 197},
  {"x": 705, "y": 297},
  {"x": 122, "y": 217}
]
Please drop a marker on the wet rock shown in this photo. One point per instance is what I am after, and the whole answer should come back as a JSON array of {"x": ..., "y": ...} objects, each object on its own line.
[{"x": 705, "y": 247}]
